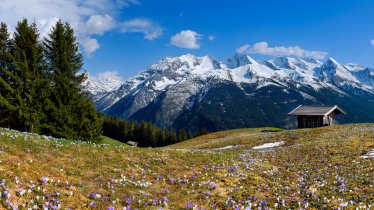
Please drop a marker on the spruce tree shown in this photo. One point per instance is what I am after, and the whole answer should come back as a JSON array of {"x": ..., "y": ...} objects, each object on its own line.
[
  {"x": 30, "y": 69},
  {"x": 73, "y": 114},
  {"x": 182, "y": 135},
  {"x": 9, "y": 97}
]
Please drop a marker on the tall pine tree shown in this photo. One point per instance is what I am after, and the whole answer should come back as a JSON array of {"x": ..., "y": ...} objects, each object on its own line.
[
  {"x": 9, "y": 97},
  {"x": 30, "y": 69},
  {"x": 73, "y": 115}
]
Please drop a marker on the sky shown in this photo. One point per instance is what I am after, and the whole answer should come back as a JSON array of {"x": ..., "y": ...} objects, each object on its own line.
[{"x": 120, "y": 38}]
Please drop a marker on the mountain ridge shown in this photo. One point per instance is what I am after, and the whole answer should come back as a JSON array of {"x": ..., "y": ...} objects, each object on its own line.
[{"x": 175, "y": 86}]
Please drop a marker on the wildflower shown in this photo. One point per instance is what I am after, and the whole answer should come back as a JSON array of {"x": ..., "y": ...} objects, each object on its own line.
[
  {"x": 343, "y": 205},
  {"x": 92, "y": 195},
  {"x": 2, "y": 184},
  {"x": 165, "y": 199},
  {"x": 44, "y": 180},
  {"x": 263, "y": 203},
  {"x": 189, "y": 205},
  {"x": 129, "y": 200},
  {"x": 93, "y": 203}
]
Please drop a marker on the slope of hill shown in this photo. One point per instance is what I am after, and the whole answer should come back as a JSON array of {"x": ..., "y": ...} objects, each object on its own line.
[
  {"x": 323, "y": 168},
  {"x": 196, "y": 92},
  {"x": 110, "y": 141}
]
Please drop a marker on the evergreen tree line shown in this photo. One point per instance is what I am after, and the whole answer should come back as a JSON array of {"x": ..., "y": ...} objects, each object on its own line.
[
  {"x": 41, "y": 83},
  {"x": 146, "y": 134}
]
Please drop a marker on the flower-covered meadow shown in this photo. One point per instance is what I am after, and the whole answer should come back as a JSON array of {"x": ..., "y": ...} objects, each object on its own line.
[{"x": 318, "y": 168}]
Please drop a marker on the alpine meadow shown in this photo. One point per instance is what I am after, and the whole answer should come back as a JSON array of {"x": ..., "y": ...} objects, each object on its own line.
[{"x": 196, "y": 105}]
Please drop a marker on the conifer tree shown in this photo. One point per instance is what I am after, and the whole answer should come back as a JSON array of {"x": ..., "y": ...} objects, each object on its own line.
[
  {"x": 9, "y": 97},
  {"x": 182, "y": 135},
  {"x": 30, "y": 68},
  {"x": 73, "y": 114}
]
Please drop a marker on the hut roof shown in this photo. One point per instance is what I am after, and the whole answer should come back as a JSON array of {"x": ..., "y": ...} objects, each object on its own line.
[
  {"x": 315, "y": 110},
  {"x": 132, "y": 143}
]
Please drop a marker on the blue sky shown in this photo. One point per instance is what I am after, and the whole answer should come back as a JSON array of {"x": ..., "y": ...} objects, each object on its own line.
[{"x": 124, "y": 37}]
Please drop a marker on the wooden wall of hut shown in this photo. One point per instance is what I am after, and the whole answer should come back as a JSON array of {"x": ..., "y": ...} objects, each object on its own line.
[{"x": 309, "y": 121}]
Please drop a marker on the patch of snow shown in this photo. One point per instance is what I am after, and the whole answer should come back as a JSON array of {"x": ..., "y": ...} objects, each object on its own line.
[
  {"x": 354, "y": 67},
  {"x": 226, "y": 147},
  {"x": 305, "y": 95},
  {"x": 190, "y": 103},
  {"x": 102, "y": 85},
  {"x": 163, "y": 83},
  {"x": 267, "y": 83},
  {"x": 269, "y": 145},
  {"x": 239, "y": 60},
  {"x": 369, "y": 155}
]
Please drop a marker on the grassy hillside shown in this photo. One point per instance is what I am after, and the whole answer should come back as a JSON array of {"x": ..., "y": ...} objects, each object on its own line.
[
  {"x": 315, "y": 168},
  {"x": 221, "y": 139},
  {"x": 110, "y": 141}
]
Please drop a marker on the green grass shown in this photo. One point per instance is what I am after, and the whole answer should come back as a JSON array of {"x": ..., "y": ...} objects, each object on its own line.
[
  {"x": 110, "y": 141},
  {"x": 318, "y": 168},
  {"x": 225, "y": 138}
]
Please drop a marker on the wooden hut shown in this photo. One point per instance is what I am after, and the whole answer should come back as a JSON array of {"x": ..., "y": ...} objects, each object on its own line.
[
  {"x": 132, "y": 143},
  {"x": 316, "y": 116}
]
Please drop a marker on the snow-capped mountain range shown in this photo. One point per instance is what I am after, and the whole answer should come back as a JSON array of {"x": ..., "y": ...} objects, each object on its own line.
[
  {"x": 99, "y": 87},
  {"x": 179, "y": 91}
]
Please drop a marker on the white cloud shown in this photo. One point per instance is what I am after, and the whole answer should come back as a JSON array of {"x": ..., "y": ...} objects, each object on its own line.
[
  {"x": 93, "y": 17},
  {"x": 186, "y": 39},
  {"x": 264, "y": 49},
  {"x": 107, "y": 74},
  {"x": 211, "y": 38},
  {"x": 86, "y": 17},
  {"x": 45, "y": 25},
  {"x": 243, "y": 49},
  {"x": 127, "y": 3},
  {"x": 99, "y": 24},
  {"x": 150, "y": 29},
  {"x": 372, "y": 42},
  {"x": 90, "y": 45}
]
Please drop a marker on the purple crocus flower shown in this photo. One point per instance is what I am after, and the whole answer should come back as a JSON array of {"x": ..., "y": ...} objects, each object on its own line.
[
  {"x": 2, "y": 183},
  {"x": 44, "y": 180},
  {"x": 92, "y": 195},
  {"x": 93, "y": 203},
  {"x": 129, "y": 200},
  {"x": 189, "y": 205}
]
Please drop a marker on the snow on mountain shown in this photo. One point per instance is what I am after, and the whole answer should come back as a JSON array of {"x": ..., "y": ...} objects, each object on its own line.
[
  {"x": 177, "y": 91},
  {"x": 239, "y": 60},
  {"x": 244, "y": 69},
  {"x": 335, "y": 73},
  {"x": 168, "y": 74},
  {"x": 182, "y": 79},
  {"x": 102, "y": 85},
  {"x": 365, "y": 76},
  {"x": 299, "y": 70},
  {"x": 354, "y": 67}
]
